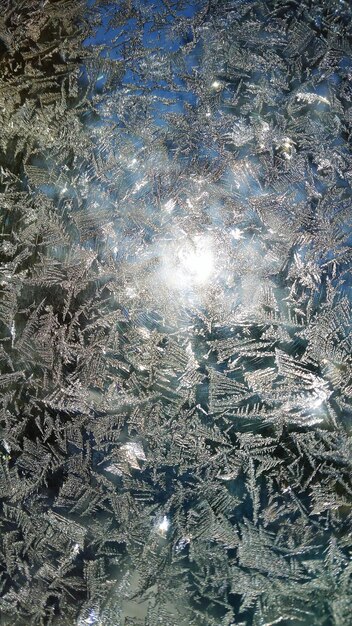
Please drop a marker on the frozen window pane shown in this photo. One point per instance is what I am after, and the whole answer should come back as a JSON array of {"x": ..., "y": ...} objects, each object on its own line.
[{"x": 175, "y": 426}]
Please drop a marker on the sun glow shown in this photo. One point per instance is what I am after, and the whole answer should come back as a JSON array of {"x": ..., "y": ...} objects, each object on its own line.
[{"x": 196, "y": 261}]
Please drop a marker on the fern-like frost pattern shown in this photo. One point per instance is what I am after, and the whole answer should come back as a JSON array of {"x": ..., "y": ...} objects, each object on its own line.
[{"x": 175, "y": 313}]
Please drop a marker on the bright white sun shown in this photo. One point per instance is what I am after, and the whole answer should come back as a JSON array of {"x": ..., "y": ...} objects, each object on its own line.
[
  {"x": 196, "y": 261},
  {"x": 187, "y": 264}
]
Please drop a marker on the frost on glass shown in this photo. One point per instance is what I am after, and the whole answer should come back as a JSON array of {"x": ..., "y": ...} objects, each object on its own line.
[{"x": 175, "y": 418}]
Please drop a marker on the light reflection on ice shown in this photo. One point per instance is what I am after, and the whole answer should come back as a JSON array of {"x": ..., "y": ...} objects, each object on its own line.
[
  {"x": 134, "y": 452},
  {"x": 163, "y": 526},
  {"x": 237, "y": 233},
  {"x": 92, "y": 618}
]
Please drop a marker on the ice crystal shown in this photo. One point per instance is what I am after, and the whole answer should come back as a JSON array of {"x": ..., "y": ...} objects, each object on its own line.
[{"x": 175, "y": 417}]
